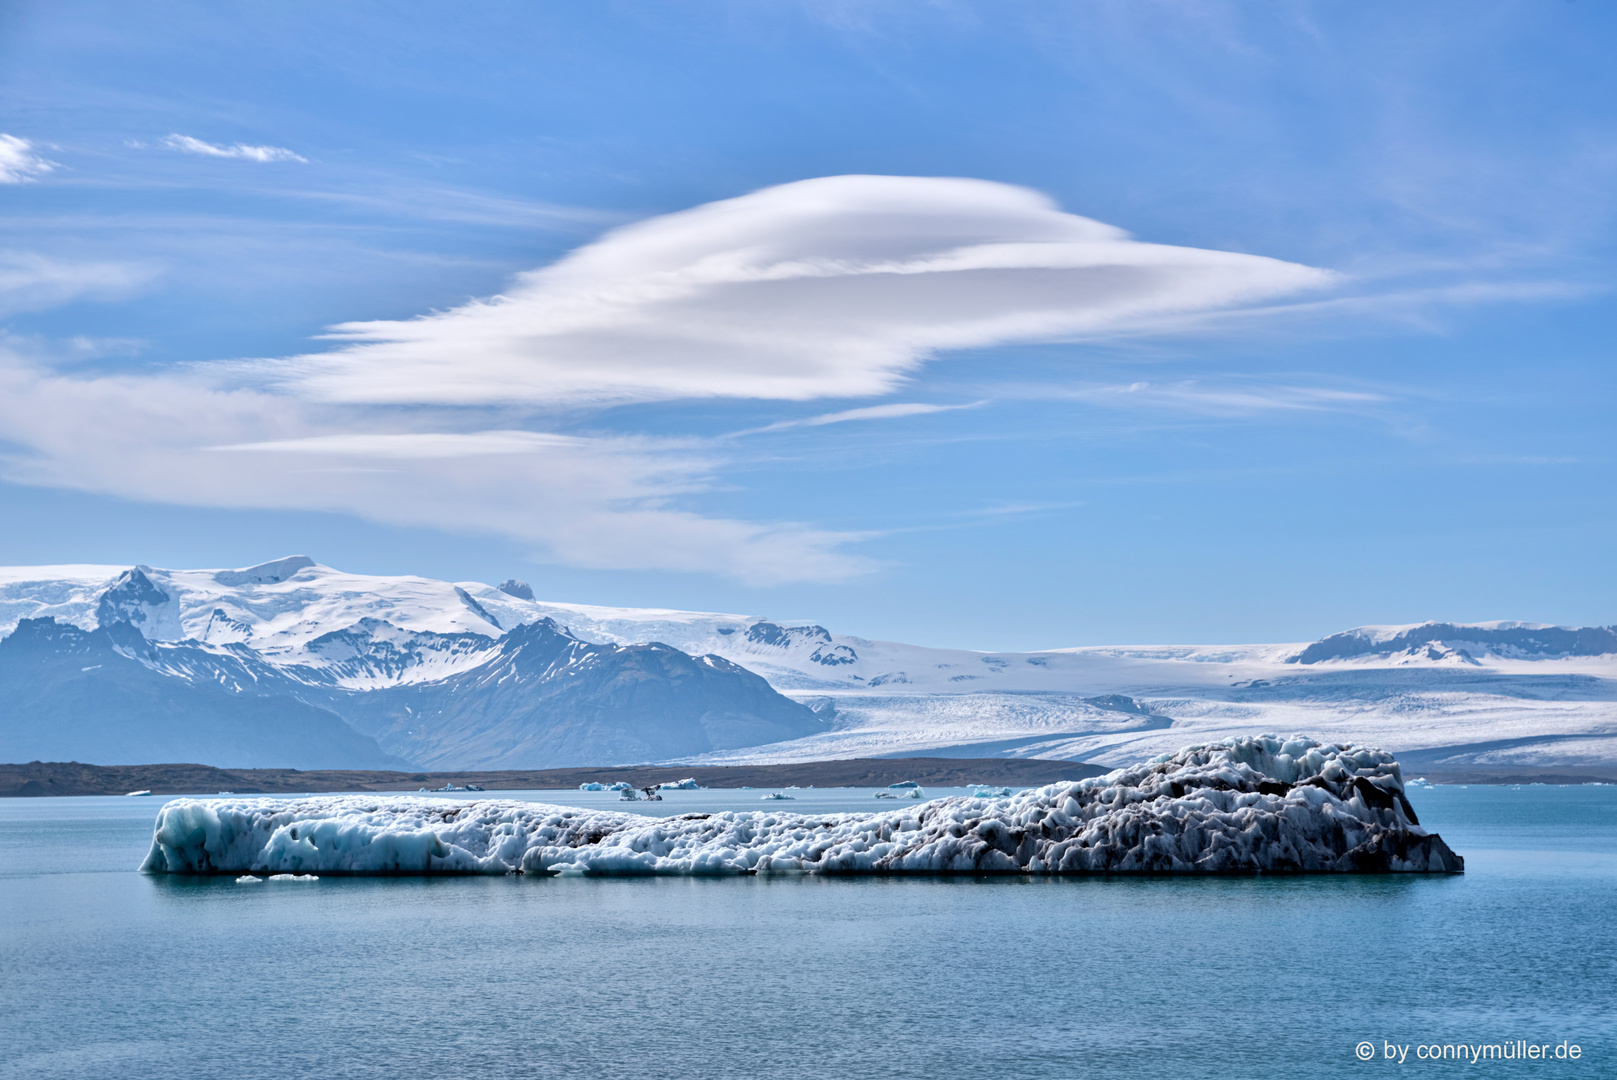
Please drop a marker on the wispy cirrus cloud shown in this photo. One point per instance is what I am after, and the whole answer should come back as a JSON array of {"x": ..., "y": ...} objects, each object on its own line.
[
  {"x": 19, "y": 162},
  {"x": 835, "y": 288},
  {"x": 188, "y": 145},
  {"x": 34, "y": 282}
]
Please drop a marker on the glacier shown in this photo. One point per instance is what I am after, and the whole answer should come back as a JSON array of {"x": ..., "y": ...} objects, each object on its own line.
[{"x": 1257, "y": 804}]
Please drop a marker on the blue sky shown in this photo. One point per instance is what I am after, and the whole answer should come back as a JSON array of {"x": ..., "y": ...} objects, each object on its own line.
[{"x": 1125, "y": 322}]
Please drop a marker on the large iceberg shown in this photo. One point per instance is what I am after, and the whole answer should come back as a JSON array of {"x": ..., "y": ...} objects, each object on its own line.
[{"x": 1247, "y": 805}]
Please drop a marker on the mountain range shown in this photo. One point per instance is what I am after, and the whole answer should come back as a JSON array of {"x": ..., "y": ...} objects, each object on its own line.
[{"x": 290, "y": 663}]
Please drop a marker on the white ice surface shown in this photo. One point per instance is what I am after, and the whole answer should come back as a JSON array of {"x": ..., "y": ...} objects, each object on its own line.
[{"x": 1262, "y": 804}]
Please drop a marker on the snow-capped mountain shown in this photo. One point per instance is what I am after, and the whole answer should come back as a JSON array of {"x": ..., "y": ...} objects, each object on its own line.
[
  {"x": 292, "y": 663},
  {"x": 109, "y": 695},
  {"x": 546, "y": 696},
  {"x": 377, "y": 650}
]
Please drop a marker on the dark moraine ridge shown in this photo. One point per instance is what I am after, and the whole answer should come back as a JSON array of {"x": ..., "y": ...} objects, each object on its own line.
[{"x": 74, "y": 778}]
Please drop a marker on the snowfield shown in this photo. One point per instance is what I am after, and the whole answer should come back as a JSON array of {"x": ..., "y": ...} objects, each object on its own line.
[{"x": 1248, "y": 805}]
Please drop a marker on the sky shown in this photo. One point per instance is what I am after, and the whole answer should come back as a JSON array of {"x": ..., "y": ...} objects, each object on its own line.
[{"x": 993, "y": 325}]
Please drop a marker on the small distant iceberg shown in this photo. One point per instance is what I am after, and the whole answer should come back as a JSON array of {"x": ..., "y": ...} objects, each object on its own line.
[
  {"x": 1252, "y": 805},
  {"x": 592, "y": 786},
  {"x": 137, "y": 794},
  {"x": 984, "y": 791},
  {"x": 621, "y": 785},
  {"x": 885, "y": 795},
  {"x": 687, "y": 784},
  {"x": 903, "y": 784},
  {"x": 779, "y": 795}
]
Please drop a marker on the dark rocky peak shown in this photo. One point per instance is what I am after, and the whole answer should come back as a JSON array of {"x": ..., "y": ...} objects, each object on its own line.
[
  {"x": 35, "y": 639},
  {"x": 269, "y": 573},
  {"x": 128, "y": 641},
  {"x": 476, "y": 608},
  {"x": 46, "y": 635},
  {"x": 765, "y": 632},
  {"x": 223, "y": 627},
  {"x": 517, "y": 587},
  {"x": 360, "y": 632},
  {"x": 127, "y": 599},
  {"x": 1449, "y": 641},
  {"x": 377, "y": 647},
  {"x": 545, "y": 637},
  {"x": 832, "y": 655},
  {"x": 1118, "y": 703}
]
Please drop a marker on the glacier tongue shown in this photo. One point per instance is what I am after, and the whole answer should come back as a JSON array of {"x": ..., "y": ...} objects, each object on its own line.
[{"x": 1259, "y": 804}]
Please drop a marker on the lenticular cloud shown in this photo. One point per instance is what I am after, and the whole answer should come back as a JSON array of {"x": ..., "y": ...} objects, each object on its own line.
[{"x": 835, "y": 287}]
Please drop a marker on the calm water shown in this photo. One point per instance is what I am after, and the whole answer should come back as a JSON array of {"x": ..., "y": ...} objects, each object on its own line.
[{"x": 107, "y": 973}]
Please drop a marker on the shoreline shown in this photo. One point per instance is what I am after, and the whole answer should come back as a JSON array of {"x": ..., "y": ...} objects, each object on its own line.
[{"x": 55, "y": 778}]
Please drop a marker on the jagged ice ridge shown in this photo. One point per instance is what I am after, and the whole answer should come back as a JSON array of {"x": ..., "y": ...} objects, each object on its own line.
[{"x": 1246, "y": 805}]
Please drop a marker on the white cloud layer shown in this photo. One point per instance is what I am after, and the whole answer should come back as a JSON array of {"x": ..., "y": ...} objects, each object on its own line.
[
  {"x": 840, "y": 287},
  {"x": 19, "y": 164},
  {"x": 593, "y": 502},
  {"x": 187, "y": 145},
  {"x": 836, "y": 287}
]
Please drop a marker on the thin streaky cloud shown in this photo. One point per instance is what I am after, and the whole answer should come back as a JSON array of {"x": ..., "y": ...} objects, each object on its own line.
[
  {"x": 19, "y": 164},
  {"x": 871, "y": 412},
  {"x": 1229, "y": 398},
  {"x": 188, "y": 145},
  {"x": 409, "y": 445}
]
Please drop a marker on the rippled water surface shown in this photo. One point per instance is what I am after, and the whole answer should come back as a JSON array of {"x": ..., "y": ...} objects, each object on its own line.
[{"x": 105, "y": 972}]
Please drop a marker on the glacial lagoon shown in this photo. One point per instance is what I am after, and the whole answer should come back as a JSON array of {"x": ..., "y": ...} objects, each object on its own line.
[{"x": 109, "y": 972}]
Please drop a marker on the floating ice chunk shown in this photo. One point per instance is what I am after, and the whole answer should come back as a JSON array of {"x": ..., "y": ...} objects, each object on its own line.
[
  {"x": 292, "y": 877},
  {"x": 621, "y": 785},
  {"x": 903, "y": 784},
  {"x": 1240, "y": 806},
  {"x": 687, "y": 784},
  {"x": 913, "y": 793},
  {"x": 983, "y": 791},
  {"x": 778, "y": 795},
  {"x": 592, "y": 786},
  {"x": 248, "y": 879},
  {"x": 136, "y": 794},
  {"x": 885, "y": 795}
]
